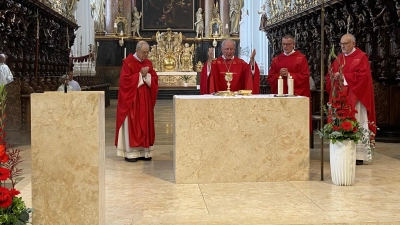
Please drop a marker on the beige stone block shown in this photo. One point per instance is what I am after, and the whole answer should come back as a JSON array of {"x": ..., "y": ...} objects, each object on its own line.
[
  {"x": 68, "y": 142},
  {"x": 240, "y": 139}
]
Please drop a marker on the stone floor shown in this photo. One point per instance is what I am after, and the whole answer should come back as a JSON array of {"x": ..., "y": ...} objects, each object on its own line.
[{"x": 145, "y": 192}]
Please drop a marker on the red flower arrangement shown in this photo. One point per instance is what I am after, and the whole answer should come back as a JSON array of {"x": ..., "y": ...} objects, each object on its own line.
[
  {"x": 342, "y": 124},
  {"x": 12, "y": 208}
]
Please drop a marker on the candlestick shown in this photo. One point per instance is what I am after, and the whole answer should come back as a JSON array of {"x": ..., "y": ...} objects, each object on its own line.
[
  {"x": 125, "y": 52},
  {"x": 214, "y": 43},
  {"x": 290, "y": 86},
  {"x": 280, "y": 86}
]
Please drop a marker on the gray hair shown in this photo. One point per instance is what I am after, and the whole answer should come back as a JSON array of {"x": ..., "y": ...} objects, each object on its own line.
[
  {"x": 288, "y": 36},
  {"x": 62, "y": 79},
  {"x": 352, "y": 37},
  {"x": 226, "y": 41},
  {"x": 140, "y": 45}
]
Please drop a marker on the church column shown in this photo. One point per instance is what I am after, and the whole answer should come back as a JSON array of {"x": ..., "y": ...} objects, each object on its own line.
[
  {"x": 224, "y": 11},
  {"x": 208, "y": 7},
  {"x": 111, "y": 14},
  {"x": 128, "y": 14}
]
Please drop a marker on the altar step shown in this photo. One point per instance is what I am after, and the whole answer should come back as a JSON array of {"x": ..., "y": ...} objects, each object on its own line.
[
  {"x": 166, "y": 93},
  {"x": 388, "y": 135}
]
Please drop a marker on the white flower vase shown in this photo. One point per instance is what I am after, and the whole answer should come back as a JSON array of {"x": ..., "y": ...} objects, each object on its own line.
[
  {"x": 185, "y": 84},
  {"x": 343, "y": 162}
]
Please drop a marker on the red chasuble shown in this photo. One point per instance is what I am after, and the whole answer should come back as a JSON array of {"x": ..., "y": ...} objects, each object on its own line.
[
  {"x": 297, "y": 66},
  {"x": 136, "y": 103},
  {"x": 358, "y": 76},
  {"x": 243, "y": 79}
]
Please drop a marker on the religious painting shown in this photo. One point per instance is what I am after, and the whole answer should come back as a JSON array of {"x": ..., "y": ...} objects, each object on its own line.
[{"x": 163, "y": 14}]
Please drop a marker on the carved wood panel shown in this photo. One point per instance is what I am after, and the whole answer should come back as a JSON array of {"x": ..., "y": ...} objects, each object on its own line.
[
  {"x": 34, "y": 38},
  {"x": 376, "y": 26}
]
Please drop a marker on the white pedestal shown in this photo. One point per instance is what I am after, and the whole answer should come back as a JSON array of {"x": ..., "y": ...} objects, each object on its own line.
[{"x": 343, "y": 162}]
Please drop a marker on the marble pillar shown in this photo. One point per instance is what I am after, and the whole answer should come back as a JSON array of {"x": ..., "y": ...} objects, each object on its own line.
[
  {"x": 68, "y": 171},
  {"x": 208, "y": 7},
  {"x": 224, "y": 12},
  {"x": 111, "y": 15},
  {"x": 128, "y": 14},
  {"x": 256, "y": 138}
]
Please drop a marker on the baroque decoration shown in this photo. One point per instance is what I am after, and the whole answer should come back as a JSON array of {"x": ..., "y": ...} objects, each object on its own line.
[
  {"x": 170, "y": 54},
  {"x": 66, "y": 8},
  {"x": 215, "y": 25}
]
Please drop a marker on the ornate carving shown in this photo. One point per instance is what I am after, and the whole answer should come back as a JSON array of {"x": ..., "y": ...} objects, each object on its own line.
[
  {"x": 215, "y": 25},
  {"x": 172, "y": 55}
]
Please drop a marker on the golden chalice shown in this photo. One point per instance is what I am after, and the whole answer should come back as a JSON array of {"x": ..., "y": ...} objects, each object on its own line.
[
  {"x": 228, "y": 78},
  {"x": 228, "y": 92}
]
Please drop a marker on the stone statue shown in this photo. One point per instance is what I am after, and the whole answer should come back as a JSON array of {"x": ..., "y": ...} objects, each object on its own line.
[
  {"x": 136, "y": 22},
  {"x": 98, "y": 14},
  {"x": 71, "y": 6},
  {"x": 187, "y": 58},
  {"x": 199, "y": 23},
  {"x": 234, "y": 15},
  {"x": 263, "y": 21}
]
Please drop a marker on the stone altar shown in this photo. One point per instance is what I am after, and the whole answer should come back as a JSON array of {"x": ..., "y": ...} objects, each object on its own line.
[{"x": 254, "y": 138}]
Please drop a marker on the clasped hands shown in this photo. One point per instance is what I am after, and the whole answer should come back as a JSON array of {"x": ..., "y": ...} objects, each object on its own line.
[
  {"x": 336, "y": 76},
  {"x": 144, "y": 71},
  {"x": 284, "y": 72}
]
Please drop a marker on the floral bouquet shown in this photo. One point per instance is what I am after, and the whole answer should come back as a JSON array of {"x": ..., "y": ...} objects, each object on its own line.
[
  {"x": 342, "y": 124},
  {"x": 12, "y": 208}
]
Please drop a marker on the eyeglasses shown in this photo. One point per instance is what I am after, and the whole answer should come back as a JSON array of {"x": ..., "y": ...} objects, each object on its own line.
[
  {"x": 287, "y": 44},
  {"x": 344, "y": 44},
  {"x": 229, "y": 49}
]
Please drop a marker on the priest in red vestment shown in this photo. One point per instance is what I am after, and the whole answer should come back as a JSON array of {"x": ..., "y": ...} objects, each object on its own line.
[
  {"x": 359, "y": 86},
  {"x": 245, "y": 76},
  {"x": 138, "y": 87},
  {"x": 290, "y": 63}
]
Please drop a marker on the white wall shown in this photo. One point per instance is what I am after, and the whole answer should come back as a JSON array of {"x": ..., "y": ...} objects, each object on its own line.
[
  {"x": 251, "y": 37},
  {"x": 86, "y": 29}
]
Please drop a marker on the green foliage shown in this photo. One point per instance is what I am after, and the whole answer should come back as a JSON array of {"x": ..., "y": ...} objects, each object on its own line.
[{"x": 15, "y": 214}]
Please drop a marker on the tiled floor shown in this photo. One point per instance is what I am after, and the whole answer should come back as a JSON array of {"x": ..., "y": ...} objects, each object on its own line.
[{"x": 145, "y": 192}]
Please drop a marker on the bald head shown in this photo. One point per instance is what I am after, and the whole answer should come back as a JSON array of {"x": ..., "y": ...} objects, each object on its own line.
[
  {"x": 228, "y": 41},
  {"x": 228, "y": 48},
  {"x": 141, "y": 44},
  {"x": 142, "y": 50},
  {"x": 2, "y": 58},
  {"x": 347, "y": 43}
]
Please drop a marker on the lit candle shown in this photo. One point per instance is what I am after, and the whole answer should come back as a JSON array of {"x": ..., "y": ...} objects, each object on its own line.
[
  {"x": 280, "y": 86},
  {"x": 290, "y": 86}
]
